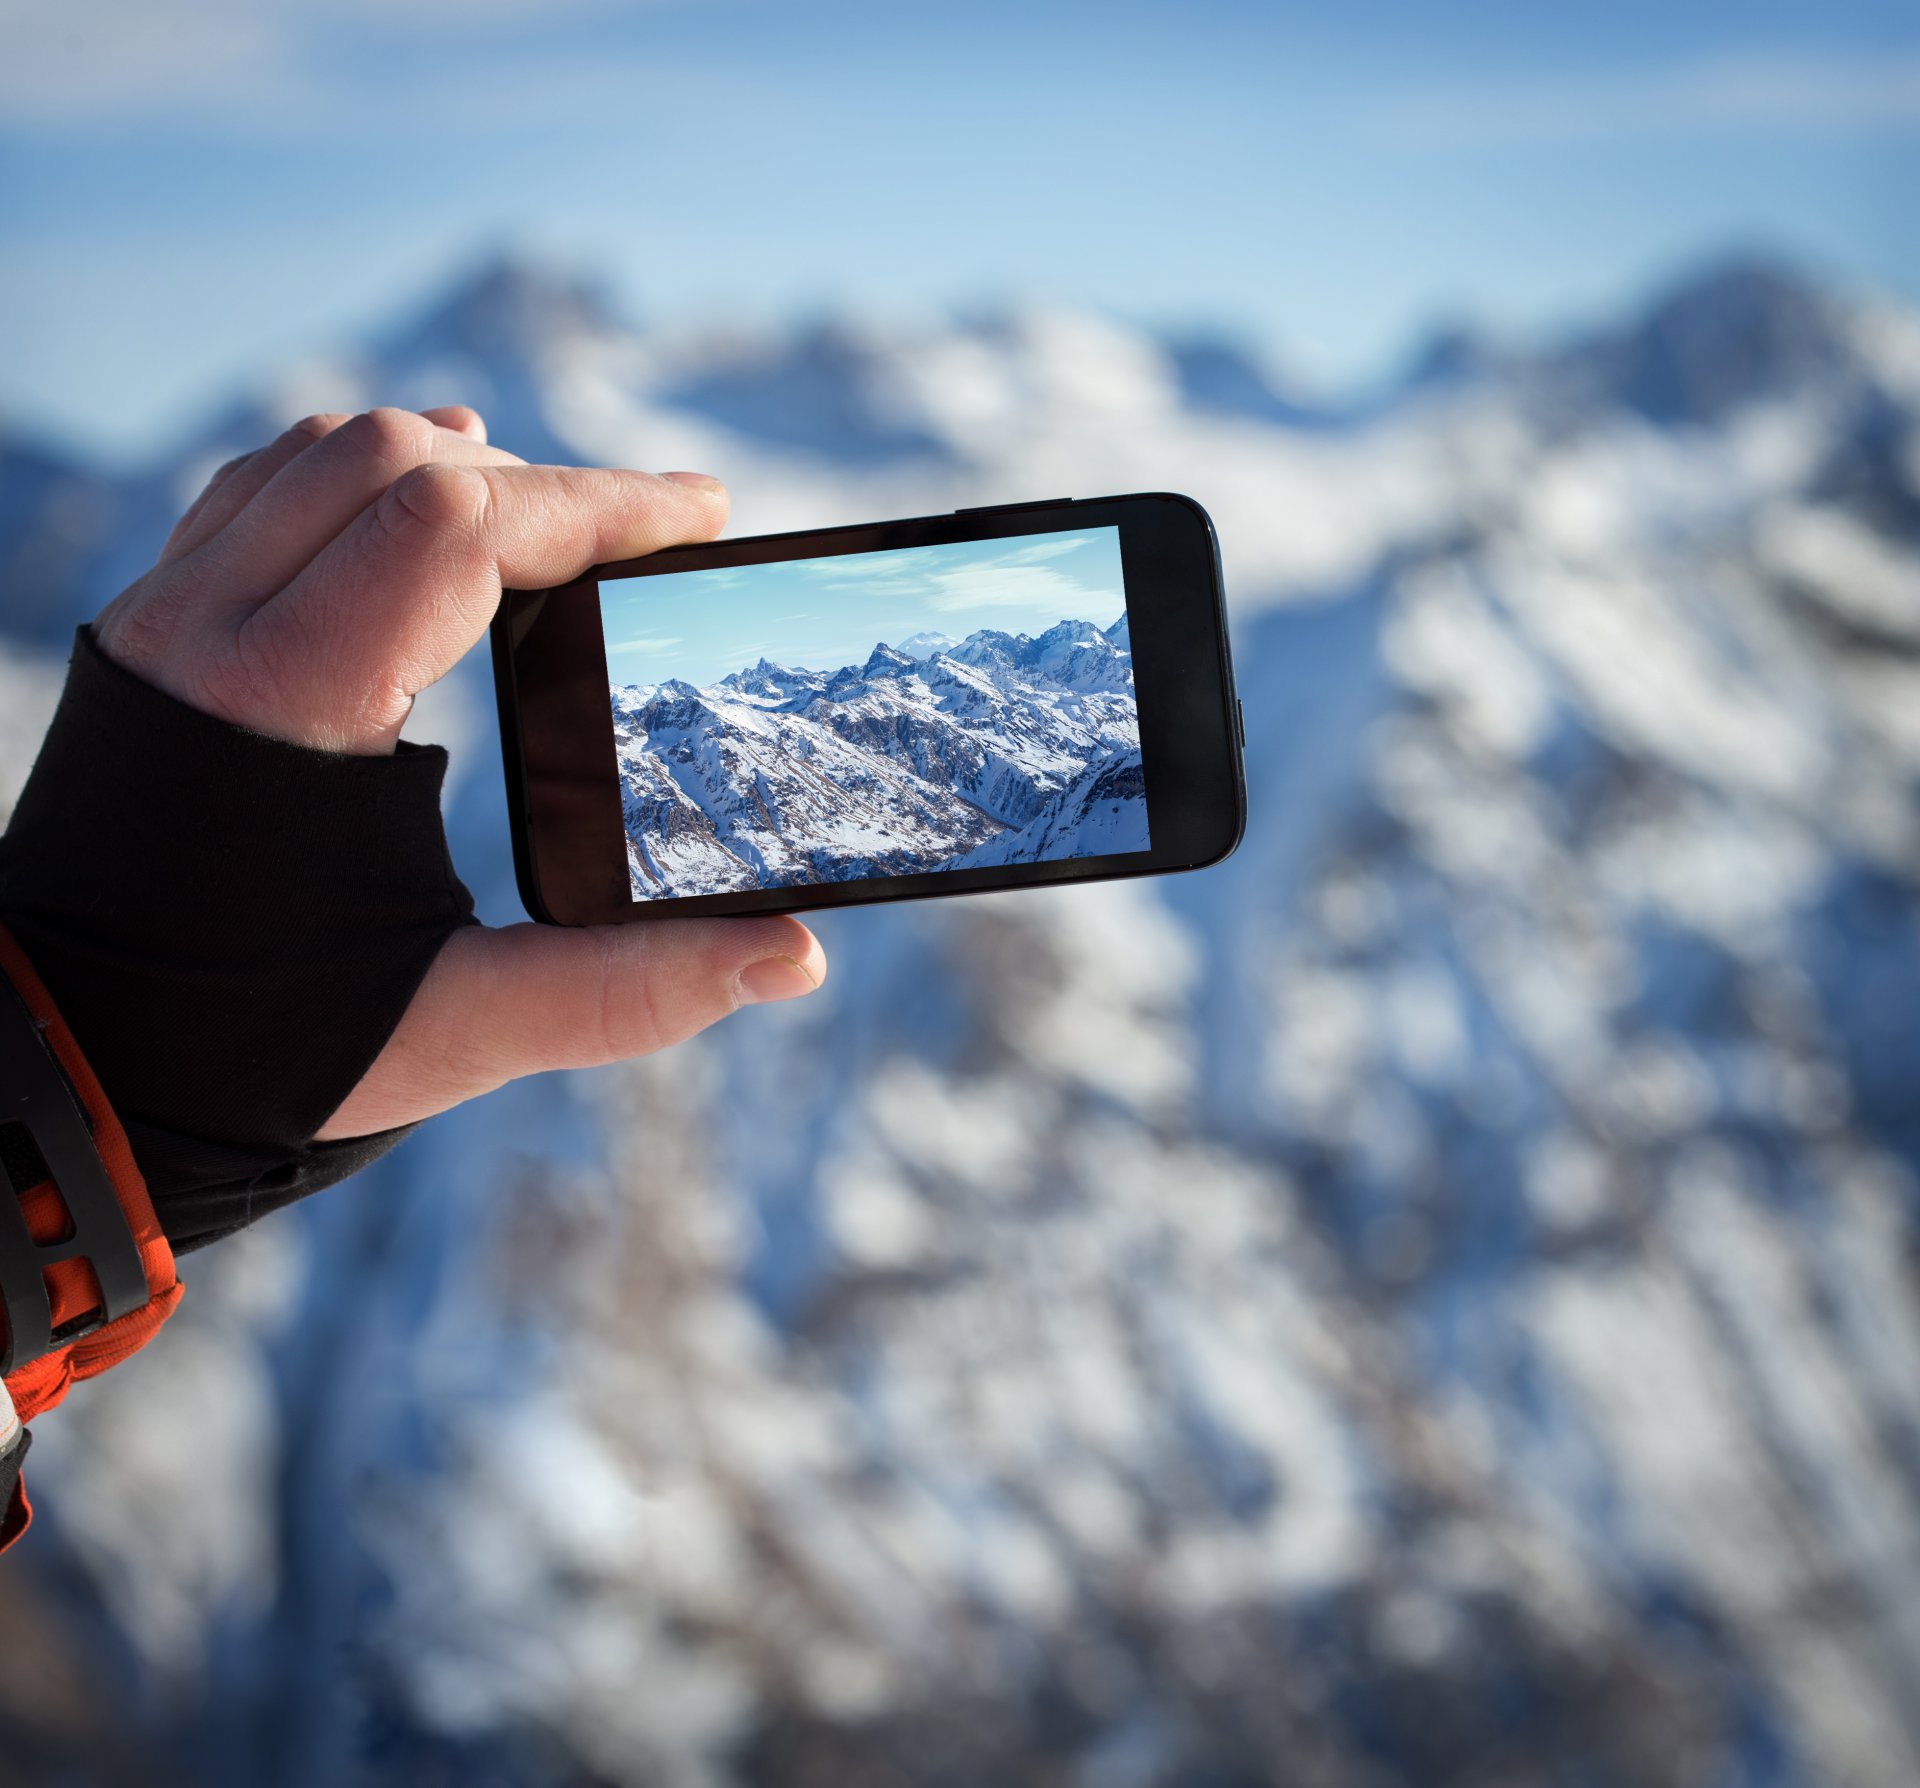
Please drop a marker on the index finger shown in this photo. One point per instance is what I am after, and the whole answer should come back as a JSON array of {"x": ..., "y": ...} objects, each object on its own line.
[{"x": 393, "y": 602}]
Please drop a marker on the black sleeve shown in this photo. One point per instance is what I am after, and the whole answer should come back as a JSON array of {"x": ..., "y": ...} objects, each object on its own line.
[
  {"x": 12, "y": 1507},
  {"x": 232, "y": 926}
]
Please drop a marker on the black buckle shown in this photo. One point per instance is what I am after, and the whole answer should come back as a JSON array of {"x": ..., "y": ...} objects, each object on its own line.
[{"x": 35, "y": 1093}]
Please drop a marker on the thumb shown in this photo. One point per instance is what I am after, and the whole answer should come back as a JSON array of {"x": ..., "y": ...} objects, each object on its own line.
[{"x": 499, "y": 1004}]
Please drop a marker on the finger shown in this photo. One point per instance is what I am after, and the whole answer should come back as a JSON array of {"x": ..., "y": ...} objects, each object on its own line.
[
  {"x": 499, "y": 1004},
  {"x": 195, "y": 509},
  {"x": 313, "y": 496},
  {"x": 398, "y": 599},
  {"x": 236, "y": 483},
  {"x": 460, "y": 418}
]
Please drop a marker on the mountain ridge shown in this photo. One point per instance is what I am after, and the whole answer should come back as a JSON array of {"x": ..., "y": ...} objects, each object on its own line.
[
  {"x": 1456, "y": 1255},
  {"x": 778, "y": 775},
  {"x": 508, "y": 331}
]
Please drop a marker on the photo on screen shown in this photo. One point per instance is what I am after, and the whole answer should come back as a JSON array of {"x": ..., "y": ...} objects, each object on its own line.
[{"x": 875, "y": 714}]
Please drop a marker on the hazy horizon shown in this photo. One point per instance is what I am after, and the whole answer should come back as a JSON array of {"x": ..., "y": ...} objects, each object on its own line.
[
  {"x": 1326, "y": 186},
  {"x": 861, "y": 658}
]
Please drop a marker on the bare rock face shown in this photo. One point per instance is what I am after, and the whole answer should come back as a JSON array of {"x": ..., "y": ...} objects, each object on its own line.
[{"x": 1430, "y": 1301}]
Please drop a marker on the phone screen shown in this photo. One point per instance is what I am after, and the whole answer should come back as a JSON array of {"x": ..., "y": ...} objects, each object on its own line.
[{"x": 875, "y": 714}]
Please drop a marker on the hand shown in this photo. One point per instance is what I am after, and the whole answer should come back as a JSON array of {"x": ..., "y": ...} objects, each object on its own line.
[{"x": 314, "y": 588}]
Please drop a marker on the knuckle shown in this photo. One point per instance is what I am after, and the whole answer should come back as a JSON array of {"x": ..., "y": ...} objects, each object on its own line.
[
  {"x": 439, "y": 501},
  {"x": 137, "y": 629},
  {"x": 319, "y": 425},
  {"x": 159, "y": 614},
  {"x": 158, "y": 631},
  {"x": 629, "y": 1018},
  {"x": 390, "y": 436}
]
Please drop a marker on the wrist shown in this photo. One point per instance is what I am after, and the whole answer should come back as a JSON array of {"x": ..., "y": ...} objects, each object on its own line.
[{"x": 233, "y": 926}]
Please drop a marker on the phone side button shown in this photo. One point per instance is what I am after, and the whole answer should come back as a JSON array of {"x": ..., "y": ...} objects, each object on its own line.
[
  {"x": 998, "y": 508},
  {"x": 1240, "y": 720}
]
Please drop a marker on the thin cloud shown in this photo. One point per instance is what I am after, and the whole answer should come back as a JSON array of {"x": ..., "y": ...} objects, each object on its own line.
[
  {"x": 649, "y": 642},
  {"x": 271, "y": 72},
  {"x": 1722, "y": 96},
  {"x": 1016, "y": 576},
  {"x": 858, "y": 567},
  {"x": 1036, "y": 551},
  {"x": 879, "y": 586},
  {"x": 1012, "y": 586}
]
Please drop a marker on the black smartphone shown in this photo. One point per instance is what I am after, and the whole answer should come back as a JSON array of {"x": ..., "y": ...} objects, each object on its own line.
[{"x": 1037, "y": 692}]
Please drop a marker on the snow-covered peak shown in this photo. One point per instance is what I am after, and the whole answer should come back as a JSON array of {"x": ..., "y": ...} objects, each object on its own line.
[
  {"x": 986, "y": 646},
  {"x": 672, "y": 701},
  {"x": 973, "y": 382},
  {"x": 1738, "y": 333},
  {"x": 926, "y": 644},
  {"x": 1078, "y": 655},
  {"x": 1734, "y": 333},
  {"x": 885, "y": 660},
  {"x": 1458, "y": 354},
  {"x": 1218, "y": 375},
  {"x": 1073, "y": 654},
  {"x": 1068, "y": 631},
  {"x": 510, "y": 308},
  {"x": 830, "y": 389},
  {"x": 769, "y": 681}
]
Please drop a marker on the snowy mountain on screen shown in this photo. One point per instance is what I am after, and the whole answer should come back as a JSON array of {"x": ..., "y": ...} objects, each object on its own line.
[
  {"x": 1430, "y": 1300},
  {"x": 999, "y": 748}
]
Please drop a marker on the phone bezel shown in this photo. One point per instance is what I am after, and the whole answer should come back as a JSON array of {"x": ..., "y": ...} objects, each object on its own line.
[{"x": 557, "y": 738}]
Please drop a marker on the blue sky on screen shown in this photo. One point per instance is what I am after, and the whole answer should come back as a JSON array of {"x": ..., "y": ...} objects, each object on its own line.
[
  {"x": 819, "y": 614},
  {"x": 191, "y": 192}
]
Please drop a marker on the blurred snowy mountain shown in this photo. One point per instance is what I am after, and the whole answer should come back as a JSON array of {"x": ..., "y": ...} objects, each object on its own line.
[{"x": 1430, "y": 1301}]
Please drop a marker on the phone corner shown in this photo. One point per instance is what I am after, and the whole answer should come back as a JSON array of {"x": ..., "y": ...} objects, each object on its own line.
[
  {"x": 1235, "y": 837},
  {"x": 1225, "y": 851},
  {"x": 1180, "y": 500}
]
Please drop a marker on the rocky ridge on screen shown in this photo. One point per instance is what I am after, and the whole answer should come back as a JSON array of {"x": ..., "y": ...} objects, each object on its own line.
[{"x": 935, "y": 754}]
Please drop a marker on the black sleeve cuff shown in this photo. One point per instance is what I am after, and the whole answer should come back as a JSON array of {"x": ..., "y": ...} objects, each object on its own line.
[
  {"x": 231, "y": 925},
  {"x": 13, "y": 1507}
]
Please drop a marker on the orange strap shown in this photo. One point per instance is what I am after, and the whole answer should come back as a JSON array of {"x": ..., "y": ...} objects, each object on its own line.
[{"x": 71, "y": 1287}]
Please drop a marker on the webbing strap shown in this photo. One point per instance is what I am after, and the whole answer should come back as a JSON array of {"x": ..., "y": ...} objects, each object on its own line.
[{"x": 34, "y": 1093}]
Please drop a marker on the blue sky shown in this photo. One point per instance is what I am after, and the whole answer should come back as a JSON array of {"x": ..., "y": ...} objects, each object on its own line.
[
  {"x": 819, "y": 614},
  {"x": 193, "y": 191}
]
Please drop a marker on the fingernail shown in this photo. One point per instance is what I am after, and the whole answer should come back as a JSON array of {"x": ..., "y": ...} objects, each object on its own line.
[
  {"x": 694, "y": 480},
  {"x": 777, "y": 978}
]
